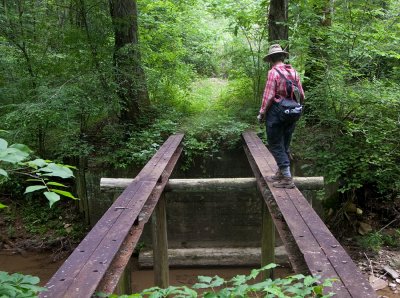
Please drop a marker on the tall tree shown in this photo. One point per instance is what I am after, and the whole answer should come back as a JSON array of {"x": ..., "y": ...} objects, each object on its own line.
[
  {"x": 129, "y": 73},
  {"x": 277, "y": 20}
]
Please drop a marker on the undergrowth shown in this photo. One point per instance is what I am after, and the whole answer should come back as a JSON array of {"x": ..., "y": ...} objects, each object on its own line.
[{"x": 242, "y": 286}]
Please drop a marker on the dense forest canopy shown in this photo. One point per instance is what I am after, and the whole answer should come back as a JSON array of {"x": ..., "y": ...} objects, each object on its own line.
[{"x": 110, "y": 80}]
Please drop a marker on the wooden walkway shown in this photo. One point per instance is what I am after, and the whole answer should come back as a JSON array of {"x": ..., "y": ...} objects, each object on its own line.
[
  {"x": 310, "y": 245},
  {"x": 98, "y": 262}
]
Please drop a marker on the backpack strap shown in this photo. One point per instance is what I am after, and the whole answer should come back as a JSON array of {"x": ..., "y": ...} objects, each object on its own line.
[
  {"x": 283, "y": 77},
  {"x": 289, "y": 84}
]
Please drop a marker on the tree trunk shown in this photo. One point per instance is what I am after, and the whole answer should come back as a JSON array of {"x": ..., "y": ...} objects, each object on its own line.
[
  {"x": 129, "y": 73},
  {"x": 277, "y": 21}
]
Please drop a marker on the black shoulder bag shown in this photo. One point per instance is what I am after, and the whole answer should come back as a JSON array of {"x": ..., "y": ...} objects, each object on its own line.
[{"x": 289, "y": 106}]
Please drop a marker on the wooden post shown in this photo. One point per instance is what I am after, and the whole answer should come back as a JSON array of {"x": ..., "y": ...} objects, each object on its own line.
[
  {"x": 267, "y": 241},
  {"x": 124, "y": 285},
  {"x": 160, "y": 244},
  {"x": 82, "y": 189}
]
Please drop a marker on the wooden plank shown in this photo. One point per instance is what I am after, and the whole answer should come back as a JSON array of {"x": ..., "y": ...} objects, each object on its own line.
[
  {"x": 313, "y": 255},
  {"x": 110, "y": 280},
  {"x": 322, "y": 252},
  {"x": 295, "y": 256},
  {"x": 83, "y": 270}
]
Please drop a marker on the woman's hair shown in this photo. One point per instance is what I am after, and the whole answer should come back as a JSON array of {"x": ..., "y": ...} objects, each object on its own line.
[{"x": 277, "y": 57}]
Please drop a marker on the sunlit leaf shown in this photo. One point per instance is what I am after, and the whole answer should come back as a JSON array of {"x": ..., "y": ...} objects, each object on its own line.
[
  {"x": 3, "y": 144},
  {"x": 57, "y": 170},
  {"x": 3, "y": 173},
  {"x": 37, "y": 162},
  {"x": 56, "y": 184},
  {"x": 63, "y": 193},
  {"x": 22, "y": 148},
  {"x": 34, "y": 188},
  {"x": 52, "y": 197}
]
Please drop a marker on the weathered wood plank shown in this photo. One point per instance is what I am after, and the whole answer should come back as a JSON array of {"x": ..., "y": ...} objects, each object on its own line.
[
  {"x": 316, "y": 260},
  {"x": 322, "y": 252},
  {"x": 110, "y": 280},
  {"x": 83, "y": 270}
]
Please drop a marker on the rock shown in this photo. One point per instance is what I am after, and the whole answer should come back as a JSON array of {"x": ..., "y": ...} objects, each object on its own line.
[
  {"x": 395, "y": 262},
  {"x": 364, "y": 228},
  {"x": 391, "y": 272},
  {"x": 398, "y": 280},
  {"x": 377, "y": 283},
  {"x": 392, "y": 285}
]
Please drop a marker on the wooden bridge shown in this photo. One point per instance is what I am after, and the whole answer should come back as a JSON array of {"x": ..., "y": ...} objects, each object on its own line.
[{"x": 98, "y": 262}]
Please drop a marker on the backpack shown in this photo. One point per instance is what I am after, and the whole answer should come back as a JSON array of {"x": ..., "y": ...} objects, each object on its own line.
[{"x": 290, "y": 106}]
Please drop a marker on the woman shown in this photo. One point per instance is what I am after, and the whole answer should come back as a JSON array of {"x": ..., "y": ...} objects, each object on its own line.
[{"x": 279, "y": 131}]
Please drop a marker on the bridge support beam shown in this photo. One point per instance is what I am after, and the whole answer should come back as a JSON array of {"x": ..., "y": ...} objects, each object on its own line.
[
  {"x": 267, "y": 241},
  {"x": 213, "y": 184},
  {"x": 160, "y": 244}
]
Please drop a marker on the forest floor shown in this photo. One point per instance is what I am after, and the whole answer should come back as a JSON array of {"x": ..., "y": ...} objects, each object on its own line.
[{"x": 373, "y": 242}]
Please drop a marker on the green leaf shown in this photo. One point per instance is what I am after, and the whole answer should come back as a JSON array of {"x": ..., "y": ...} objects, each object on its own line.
[
  {"x": 52, "y": 197},
  {"x": 56, "y": 184},
  {"x": 206, "y": 279},
  {"x": 63, "y": 193},
  {"x": 217, "y": 281},
  {"x": 22, "y": 147},
  {"x": 34, "y": 188},
  {"x": 3, "y": 173},
  {"x": 57, "y": 170},
  {"x": 13, "y": 155},
  {"x": 3, "y": 144},
  {"x": 37, "y": 163},
  {"x": 3, "y": 206}
]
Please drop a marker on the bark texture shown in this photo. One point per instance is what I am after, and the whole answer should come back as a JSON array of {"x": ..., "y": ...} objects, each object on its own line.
[
  {"x": 277, "y": 20},
  {"x": 129, "y": 73}
]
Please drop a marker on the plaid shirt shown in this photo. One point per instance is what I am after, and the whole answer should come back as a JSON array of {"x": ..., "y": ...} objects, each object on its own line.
[{"x": 275, "y": 89}]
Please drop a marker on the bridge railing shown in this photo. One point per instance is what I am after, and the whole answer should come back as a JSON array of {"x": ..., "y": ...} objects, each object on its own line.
[
  {"x": 99, "y": 260},
  {"x": 310, "y": 245}
]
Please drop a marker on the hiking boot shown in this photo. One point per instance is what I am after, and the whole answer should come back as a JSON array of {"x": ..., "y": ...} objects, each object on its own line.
[
  {"x": 285, "y": 182},
  {"x": 277, "y": 177}
]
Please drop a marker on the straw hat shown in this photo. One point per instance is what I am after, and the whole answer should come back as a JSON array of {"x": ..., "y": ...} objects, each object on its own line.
[{"x": 274, "y": 49}]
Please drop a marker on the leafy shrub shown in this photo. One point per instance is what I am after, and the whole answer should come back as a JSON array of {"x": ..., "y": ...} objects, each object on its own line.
[
  {"x": 208, "y": 134},
  {"x": 351, "y": 138},
  {"x": 13, "y": 160},
  {"x": 19, "y": 285},
  {"x": 243, "y": 286},
  {"x": 375, "y": 240}
]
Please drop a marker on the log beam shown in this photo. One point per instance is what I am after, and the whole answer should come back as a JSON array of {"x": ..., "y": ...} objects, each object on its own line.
[{"x": 213, "y": 184}]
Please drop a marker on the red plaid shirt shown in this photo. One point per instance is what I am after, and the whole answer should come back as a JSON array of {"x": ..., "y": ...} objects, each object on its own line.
[{"x": 275, "y": 89}]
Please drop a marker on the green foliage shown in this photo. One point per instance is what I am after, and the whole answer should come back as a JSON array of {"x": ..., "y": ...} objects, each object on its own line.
[
  {"x": 207, "y": 135},
  {"x": 13, "y": 161},
  {"x": 19, "y": 285},
  {"x": 375, "y": 240},
  {"x": 243, "y": 286},
  {"x": 351, "y": 127}
]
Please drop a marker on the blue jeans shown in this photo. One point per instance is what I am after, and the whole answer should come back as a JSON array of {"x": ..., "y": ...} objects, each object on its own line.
[{"x": 279, "y": 135}]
